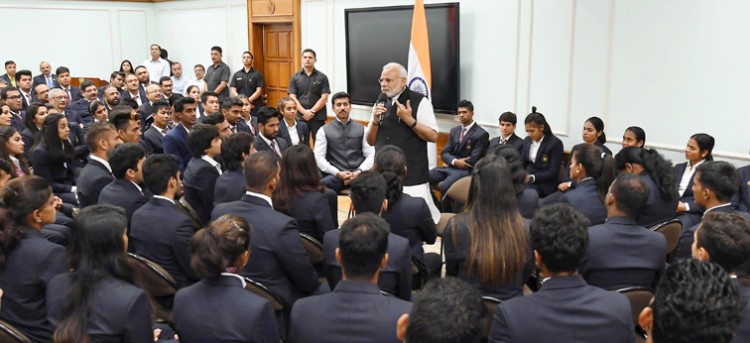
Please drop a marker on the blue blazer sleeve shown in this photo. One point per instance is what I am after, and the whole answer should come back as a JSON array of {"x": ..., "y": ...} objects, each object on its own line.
[
  {"x": 264, "y": 330},
  {"x": 405, "y": 273},
  {"x": 499, "y": 332},
  {"x": 181, "y": 249},
  {"x": 294, "y": 260},
  {"x": 138, "y": 321},
  {"x": 447, "y": 155},
  {"x": 555, "y": 161},
  {"x": 40, "y": 160},
  {"x": 480, "y": 148}
]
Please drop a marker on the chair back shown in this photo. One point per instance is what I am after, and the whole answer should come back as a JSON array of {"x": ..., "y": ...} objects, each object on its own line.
[
  {"x": 491, "y": 304},
  {"x": 639, "y": 298},
  {"x": 184, "y": 206},
  {"x": 9, "y": 334},
  {"x": 313, "y": 248},
  {"x": 671, "y": 230},
  {"x": 261, "y": 290},
  {"x": 459, "y": 190},
  {"x": 444, "y": 217},
  {"x": 158, "y": 284}
]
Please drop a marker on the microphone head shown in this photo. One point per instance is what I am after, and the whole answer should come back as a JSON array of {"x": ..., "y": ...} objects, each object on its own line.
[{"x": 382, "y": 98}]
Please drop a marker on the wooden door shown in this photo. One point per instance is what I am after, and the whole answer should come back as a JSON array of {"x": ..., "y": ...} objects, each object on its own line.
[{"x": 278, "y": 61}]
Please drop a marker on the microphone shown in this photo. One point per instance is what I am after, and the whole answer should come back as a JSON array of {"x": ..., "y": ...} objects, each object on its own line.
[{"x": 382, "y": 99}]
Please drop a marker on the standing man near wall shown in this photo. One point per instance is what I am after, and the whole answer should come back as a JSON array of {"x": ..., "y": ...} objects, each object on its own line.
[
  {"x": 309, "y": 88},
  {"x": 249, "y": 82},
  {"x": 157, "y": 67},
  {"x": 217, "y": 75},
  {"x": 404, "y": 120}
]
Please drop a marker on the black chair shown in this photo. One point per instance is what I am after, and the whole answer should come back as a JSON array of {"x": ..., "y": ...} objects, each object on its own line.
[
  {"x": 187, "y": 209},
  {"x": 158, "y": 284},
  {"x": 444, "y": 217},
  {"x": 9, "y": 334},
  {"x": 671, "y": 230},
  {"x": 490, "y": 304},
  {"x": 277, "y": 303},
  {"x": 639, "y": 298},
  {"x": 313, "y": 248}
]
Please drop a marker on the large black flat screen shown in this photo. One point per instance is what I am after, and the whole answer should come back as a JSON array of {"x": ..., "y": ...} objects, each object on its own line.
[{"x": 376, "y": 36}]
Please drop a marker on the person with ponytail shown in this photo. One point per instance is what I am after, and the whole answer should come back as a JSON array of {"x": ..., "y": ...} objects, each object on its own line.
[
  {"x": 487, "y": 244},
  {"x": 97, "y": 301},
  {"x": 697, "y": 151},
  {"x": 542, "y": 154},
  {"x": 657, "y": 173},
  {"x": 526, "y": 198},
  {"x": 33, "y": 122},
  {"x": 218, "y": 308},
  {"x": 52, "y": 157},
  {"x": 408, "y": 216},
  {"x": 28, "y": 261},
  {"x": 593, "y": 170},
  {"x": 634, "y": 136}
]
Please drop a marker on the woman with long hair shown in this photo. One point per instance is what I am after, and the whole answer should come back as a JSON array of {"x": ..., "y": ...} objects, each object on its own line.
[
  {"x": 194, "y": 92},
  {"x": 28, "y": 261},
  {"x": 219, "y": 254},
  {"x": 126, "y": 67},
  {"x": 33, "y": 121},
  {"x": 634, "y": 136},
  {"x": 527, "y": 199},
  {"x": 6, "y": 118},
  {"x": 488, "y": 244},
  {"x": 12, "y": 149},
  {"x": 593, "y": 170},
  {"x": 542, "y": 154},
  {"x": 301, "y": 195},
  {"x": 698, "y": 150},
  {"x": 657, "y": 173},
  {"x": 52, "y": 156},
  {"x": 593, "y": 134},
  {"x": 408, "y": 216},
  {"x": 97, "y": 301}
]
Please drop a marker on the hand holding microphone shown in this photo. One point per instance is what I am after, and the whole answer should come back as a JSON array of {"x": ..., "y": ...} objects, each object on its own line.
[{"x": 380, "y": 110}]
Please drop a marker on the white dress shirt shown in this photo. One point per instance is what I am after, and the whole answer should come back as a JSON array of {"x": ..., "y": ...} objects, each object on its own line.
[
  {"x": 157, "y": 69},
  {"x": 321, "y": 147},
  {"x": 212, "y": 162},
  {"x": 293, "y": 132}
]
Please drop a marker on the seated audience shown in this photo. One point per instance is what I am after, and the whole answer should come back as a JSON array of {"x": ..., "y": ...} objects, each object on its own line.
[
  {"x": 154, "y": 95},
  {"x": 219, "y": 254},
  {"x": 713, "y": 186},
  {"x": 348, "y": 152},
  {"x": 127, "y": 125},
  {"x": 11, "y": 149},
  {"x": 446, "y": 311},
  {"x": 250, "y": 120},
  {"x": 11, "y": 97},
  {"x": 175, "y": 142},
  {"x": 234, "y": 150},
  {"x": 160, "y": 232},
  {"x": 634, "y": 136},
  {"x": 28, "y": 260},
  {"x": 620, "y": 252},
  {"x": 593, "y": 171},
  {"x": 292, "y": 130},
  {"x": 97, "y": 112},
  {"x": 724, "y": 238},
  {"x": 487, "y": 244},
  {"x": 231, "y": 109},
  {"x": 698, "y": 150},
  {"x": 203, "y": 170},
  {"x": 368, "y": 196},
  {"x": 408, "y": 217},
  {"x": 33, "y": 121},
  {"x": 80, "y": 107},
  {"x": 527, "y": 199},
  {"x": 153, "y": 138},
  {"x": 96, "y": 301},
  {"x": 126, "y": 191},
  {"x": 268, "y": 131},
  {"x": 210, "y": 102},
  {"x": 63, "y": 82},
  {"x": 565, "y": 309},
  {"x": 195, "y": 93},
  {"x": 301, "y": 196},
  {"x": 52, "y": 156},
  {"x": 134, "y": 90},
  {"x": 467, "y": 143},
  {"x": 217, "y": 120},
  {"x": 542, "y": 154},
  {"x": 355, "y": 308},
  {"x": 507, "y": 123},
  {"x": 97, "y": 173},
  {"x": 657, "y": 173},
  {"x": 279, "y": 259},
  {"x": 41, "y": 94},
  {"x": 696, "y": 301},
  {"x": 111, "y": 98},
  {"x": 46, "y": 77}
]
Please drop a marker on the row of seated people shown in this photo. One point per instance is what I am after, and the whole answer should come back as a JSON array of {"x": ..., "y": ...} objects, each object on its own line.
[{"x": 95, "y": 299}]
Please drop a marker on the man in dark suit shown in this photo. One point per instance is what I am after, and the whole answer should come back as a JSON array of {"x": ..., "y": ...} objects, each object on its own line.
[
  {"x": 446, "y": 310},
  {"x": 293, "y": 130},
  {"x": 63, "y": 82},
  {"x": 153, "y": 138},
  {"x": 742, "y": 199},
  {"x": 507, "y": 123},
  {"x": 724, "y": 238},
  {"x": 134, "y": 90},
  {"x": 565, "y": 308},
  {"x": 202, "y": 170},
  {"x": 231, "y": 109},
  {"x": 23, "y": 79},
  {"x": 80, "y": 107},
  {"x": 125, "y": 191},
  {"x": 714, "y": 184},
  {"x": 279, "y": 260},
  {"x": 268, "y": 132},
  {"x": 117, "y": 80},
  {"x": 361, "y": 251},
  {"x": 175, "y": 142},
  {"x": 59, "y": 100},
  {"x": 110, "y": 97},
  {"x": 234, "y": 150},
  {"x": 250, "y": 120},
  {"x": 467, "y": 144},
  {"x": 153, "y": 94},
  {"x": 10, "y": 74},
  {"x": 368, "y": 196},
  {"x": 688, "y": 303},
  {"x": 101, "y": 138},
  {"x": 46, "y": 77},
  {"x": 160, "y": 232},
  {"x": 620, "y": 252},
  {"x": 40, "y": 94},
  {"x": 12, "y": 98}
]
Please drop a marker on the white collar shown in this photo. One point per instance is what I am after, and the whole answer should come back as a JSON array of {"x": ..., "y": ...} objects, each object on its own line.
[
  {"x": 262, "y": 196},
  {"x": 164, "y": 198},
  {"x": 237, "y": 276},
  {"x": 468, "y": 127},
  {"x": 692, "y": 168},
  {"x": 102, "y": 161},
  {"x": 136, "y": 186},
  {"x": 264, "y": 138},
  {"x": 290, "y": 126},
  {"x": 717, "y": 206},
  {"x": 540, "y": 140},
  {"x": 210, "y": 161}
]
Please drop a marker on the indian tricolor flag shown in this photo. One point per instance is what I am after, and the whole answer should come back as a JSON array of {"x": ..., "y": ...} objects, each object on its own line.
[{"x": 420, "y": 72}]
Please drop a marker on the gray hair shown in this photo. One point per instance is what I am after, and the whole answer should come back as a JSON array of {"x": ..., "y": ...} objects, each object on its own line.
[
  {"x": 398, "y": 67},
  {"x": 55, "y": 92}
]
